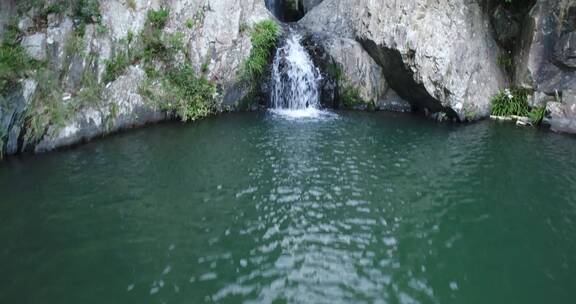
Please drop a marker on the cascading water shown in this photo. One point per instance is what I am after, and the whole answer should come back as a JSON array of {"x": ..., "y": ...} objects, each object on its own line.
[{"x": 295, "y": 79}]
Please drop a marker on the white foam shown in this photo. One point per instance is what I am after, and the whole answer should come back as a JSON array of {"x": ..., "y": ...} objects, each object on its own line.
[{"x": 301, "y": 114}]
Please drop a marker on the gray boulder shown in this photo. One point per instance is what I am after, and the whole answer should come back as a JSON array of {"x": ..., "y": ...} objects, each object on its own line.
[
  {"x": 546, "y": 58},
  {"x": 358, "y": 69},
  {"x": 562, "y": 115},
  {"x": 440, "y": 56}
]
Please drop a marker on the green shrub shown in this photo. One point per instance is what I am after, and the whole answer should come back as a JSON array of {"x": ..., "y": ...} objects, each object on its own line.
[
  {"x": 124, "y": 56},
  {"x": 153, "y": 40},
  {"x": 14, "y": 61},
  {"x": 182, "y": 92},
  {"x": 47, "y": 107},
  {"x": 158, "y": 18},
  {"x": 115, "y": 66},
  {"x": 91, "y": 93},
  {"x": 537, "y": 115},
  {"x": 264, "y": 38},
  {"x": 88, "y": 11},
  {"x": 510, "y": 102},
  {"x": 55, "y": 8},
  {"x": 190, "y": 23},
  {"x": 506, "y": 62}
]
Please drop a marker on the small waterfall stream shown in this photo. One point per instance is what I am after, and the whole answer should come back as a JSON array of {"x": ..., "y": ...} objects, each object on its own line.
[{"x": 295, "y": 79}]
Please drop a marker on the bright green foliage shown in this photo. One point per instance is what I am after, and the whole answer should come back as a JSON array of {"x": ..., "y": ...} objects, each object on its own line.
[
  {"x": 158, "y": 18},
  {"x": 510, "y": 102},
  {"x": 537, "y": 115},
  {"x": 189, "y": 96},
  {"x": 264, "y": 39},
  {"x": 153, "y": 40}
]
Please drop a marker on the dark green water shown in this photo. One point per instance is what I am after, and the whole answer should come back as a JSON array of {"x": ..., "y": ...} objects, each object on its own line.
[{"x": 358, "y": 208}]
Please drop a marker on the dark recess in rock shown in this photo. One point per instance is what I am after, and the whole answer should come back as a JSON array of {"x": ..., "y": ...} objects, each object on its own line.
[
  {"x": 401, "y": 80},
  {"x": 286, "y": 10}
]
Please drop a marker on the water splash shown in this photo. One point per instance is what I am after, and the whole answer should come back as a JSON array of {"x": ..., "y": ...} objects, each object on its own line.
[{"x": 295, "y": 79}]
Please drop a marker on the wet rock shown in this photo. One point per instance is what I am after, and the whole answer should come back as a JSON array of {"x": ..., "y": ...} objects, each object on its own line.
[{"x": 12, "y": 114}]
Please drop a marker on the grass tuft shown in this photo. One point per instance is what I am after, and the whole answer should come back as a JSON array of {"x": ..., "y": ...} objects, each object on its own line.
[
  {"x": 158, "y": 18},
  {"x": 185, "y": 94},
  {"x": 264, "y": 38},
  {"x": 511, "y": 102},
  {"x": 537, "y": 115},
  {"x": 14, "y": 61}
]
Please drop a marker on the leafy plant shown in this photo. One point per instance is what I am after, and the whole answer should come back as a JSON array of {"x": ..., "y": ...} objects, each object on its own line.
[
  {"x": 537, "y": 115},
  {"x": 350, "y": 97},
  {"x": 55, "y": 8},
  {"x": 190, "y": 23},
  {"x": 47, "y": 107},
  {"x": 264, "y": 38},
  {"x": 188, "y": 96},
  {"x": 14, "y": 61},
  {"x": 154, "y": 45},
  {"x": 91, "y": 93},
  {"x": 115, "y": 66},
  {"x": 510, "y": 102},
  {"x": 86, "y": 12},
  {"x": 158, "y": 18}
]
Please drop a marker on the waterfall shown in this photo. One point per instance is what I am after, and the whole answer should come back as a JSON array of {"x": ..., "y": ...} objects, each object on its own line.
[{"x": 295, "y": 79}]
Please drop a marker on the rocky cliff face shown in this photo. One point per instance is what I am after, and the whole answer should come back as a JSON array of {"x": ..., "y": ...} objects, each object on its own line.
[
  {"x": 546, "y": 60},
  {"x": 439, "y": 56},
  {"x": 87, "y": 81}
]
